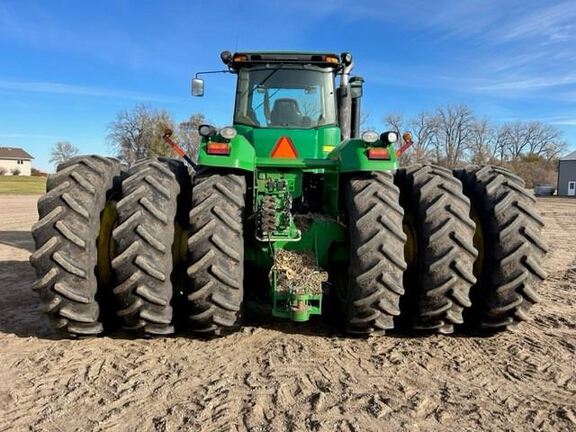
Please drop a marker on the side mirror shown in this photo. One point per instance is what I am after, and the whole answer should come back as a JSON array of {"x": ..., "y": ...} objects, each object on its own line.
[{"x": 197, "y": 87}]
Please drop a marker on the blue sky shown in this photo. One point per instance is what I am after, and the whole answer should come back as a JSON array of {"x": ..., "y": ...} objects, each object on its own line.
[{"x": 67, "y": 67}]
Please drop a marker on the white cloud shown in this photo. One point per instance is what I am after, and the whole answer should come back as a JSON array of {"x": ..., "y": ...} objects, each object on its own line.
[
  {"x": 564, "y": 122},
  {"x": 28, "y": 136},
  {"x": 77, "y": 90},
  {"x": 552, "y": 24},
  {"x": 528, "y": 83}
]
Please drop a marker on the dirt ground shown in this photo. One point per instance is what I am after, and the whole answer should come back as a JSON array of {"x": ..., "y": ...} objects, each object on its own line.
[{"x": 283, "y": 376}]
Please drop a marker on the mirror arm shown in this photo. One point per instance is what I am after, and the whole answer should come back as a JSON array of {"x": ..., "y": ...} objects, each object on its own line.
[{"x": 211, "y": 72}]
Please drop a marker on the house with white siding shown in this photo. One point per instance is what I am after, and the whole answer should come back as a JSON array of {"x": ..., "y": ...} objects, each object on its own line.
[{"x": 13, "y": 160}]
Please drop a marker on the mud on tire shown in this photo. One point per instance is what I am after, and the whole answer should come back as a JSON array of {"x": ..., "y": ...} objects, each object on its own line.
[
  {"x": 509, "y": 235},
  {"x": 216, "y": 252},
  {"x": 441, "y": 272},
  {"x": 144, "y": 238},
  {"x": 66, "y": 236},
  {"x": 377, "y": 261}
]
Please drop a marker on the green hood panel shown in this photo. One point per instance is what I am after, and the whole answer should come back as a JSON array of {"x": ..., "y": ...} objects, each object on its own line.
[{"x": 309, "y": 143}]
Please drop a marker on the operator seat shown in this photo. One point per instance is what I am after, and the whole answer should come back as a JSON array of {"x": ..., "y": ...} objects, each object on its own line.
[{"x": 285, "y": 113}]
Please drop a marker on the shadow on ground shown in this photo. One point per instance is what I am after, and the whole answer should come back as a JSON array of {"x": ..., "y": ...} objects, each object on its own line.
[
  {"x": 17, "y": 239},
  {"x": 19, "y": 312}
]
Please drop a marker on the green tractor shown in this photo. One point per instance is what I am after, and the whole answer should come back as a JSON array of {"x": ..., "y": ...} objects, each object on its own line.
[{"x": 291, "y": 207}]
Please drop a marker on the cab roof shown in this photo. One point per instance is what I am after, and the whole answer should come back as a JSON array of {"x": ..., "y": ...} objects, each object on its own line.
[{"x": 246, "y": 59}]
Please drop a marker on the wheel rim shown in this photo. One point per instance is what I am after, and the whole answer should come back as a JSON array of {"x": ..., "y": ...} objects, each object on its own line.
[
  {"x": 105, "y": 243},
  {"x": 478, "y": 241},
  {"x": 411, "y": 247},
  {"x": 180, "y": 245}
]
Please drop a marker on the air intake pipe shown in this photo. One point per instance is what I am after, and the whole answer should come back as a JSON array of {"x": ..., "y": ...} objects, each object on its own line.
[
  {"x": 356, "y": 91},
  {"x": 345, "y": 97}
]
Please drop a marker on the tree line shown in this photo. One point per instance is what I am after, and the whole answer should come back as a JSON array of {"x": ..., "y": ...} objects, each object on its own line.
[{"x": 453, "y": 136}]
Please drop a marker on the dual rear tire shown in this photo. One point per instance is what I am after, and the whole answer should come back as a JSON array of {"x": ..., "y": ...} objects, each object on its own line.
[
  {"x": 472, "y": 250},
  {"x": 374, "y": 285},
  {"x": 67, "y": 235},
  {"x": 442, "y": 252},
  {"x": 144, "y": 238},
  {"x": 216, "y": 252},
  {"x": 509, "y": 235}
]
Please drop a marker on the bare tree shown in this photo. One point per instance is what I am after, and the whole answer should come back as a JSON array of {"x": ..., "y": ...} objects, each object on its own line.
[
  {"x": 452, "y": 133},
  {"x": 62, "y": 151},
  {"x": 514, "y": 139},
  {"x": 423, "y": 128},
  {"x": 554, "y": 150},
  {"x": 395, "y": 121},
  {"x": 188, "y": 134},
  {"x": 536, "y": 138},
  {"x": 486, "y": 143},
  {"x": 545, "y": 140},
  {"x": 137, "y": 133}
]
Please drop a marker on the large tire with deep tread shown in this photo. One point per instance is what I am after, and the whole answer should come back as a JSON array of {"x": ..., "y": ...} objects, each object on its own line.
[
  {"x": 377, "y": 263},
  {"x": 144, "y": 238},
  {"x": 441, "y": 275},
  {"x": 216, "y": 252},
  {"x": 512, "y": 246},
  {"x": 66, "y": 236}
]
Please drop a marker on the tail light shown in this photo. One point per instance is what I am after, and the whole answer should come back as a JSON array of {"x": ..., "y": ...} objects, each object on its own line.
[
  {"x": 378, "y": 153},
  {"x": 218, "y": 148}
]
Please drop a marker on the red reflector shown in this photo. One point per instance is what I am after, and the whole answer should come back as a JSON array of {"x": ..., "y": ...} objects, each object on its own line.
[
  {"x": 217, "y": 148},
  {"x": 284, "y": 149},
  {"x": 378, "y": 153}
]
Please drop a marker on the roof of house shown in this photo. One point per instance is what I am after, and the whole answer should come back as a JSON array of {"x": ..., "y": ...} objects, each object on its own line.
[
  {"x": 14, "y": 153},
  {"x": 570, "y": 156}
]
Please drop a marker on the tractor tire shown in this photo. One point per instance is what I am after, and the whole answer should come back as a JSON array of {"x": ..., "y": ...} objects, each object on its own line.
[
  {"x": 66, "y": 237},
  {"x": 374, "y": 284},
  {"x": 144, "y": 237},
  {"x": 216, "y": 252},
  {"x": 441, "y": 271},
  {"x": 509, "y": 236}
]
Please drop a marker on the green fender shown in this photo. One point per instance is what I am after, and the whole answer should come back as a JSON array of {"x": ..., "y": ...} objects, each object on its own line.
[
  {"x": 242, "y": 155},
  {"x": 352, "y": 155}
]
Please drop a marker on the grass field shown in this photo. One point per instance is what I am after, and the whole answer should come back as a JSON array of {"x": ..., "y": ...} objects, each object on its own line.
[{"x": 22, "y": 185}]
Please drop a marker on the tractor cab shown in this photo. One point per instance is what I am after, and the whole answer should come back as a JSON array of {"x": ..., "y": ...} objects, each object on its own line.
[{"x": 293, "y": 96}]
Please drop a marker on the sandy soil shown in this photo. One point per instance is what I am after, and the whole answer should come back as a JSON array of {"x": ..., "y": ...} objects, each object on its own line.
[{"x": 287, "y": 377}]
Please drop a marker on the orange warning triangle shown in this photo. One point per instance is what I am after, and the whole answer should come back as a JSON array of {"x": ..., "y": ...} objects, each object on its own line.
[{"x": 284, "y": 149}]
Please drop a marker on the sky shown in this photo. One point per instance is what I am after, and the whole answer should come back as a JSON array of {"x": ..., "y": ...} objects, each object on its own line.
[{"x": 68, "y": 67}]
